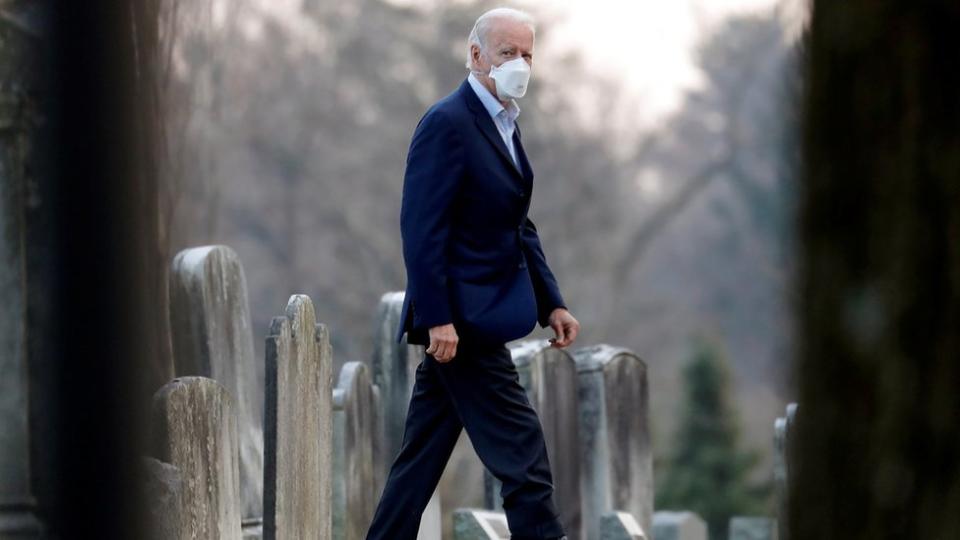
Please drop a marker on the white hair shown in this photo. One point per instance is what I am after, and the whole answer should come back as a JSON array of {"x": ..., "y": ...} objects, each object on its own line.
[{"x": 478, "y": 36}]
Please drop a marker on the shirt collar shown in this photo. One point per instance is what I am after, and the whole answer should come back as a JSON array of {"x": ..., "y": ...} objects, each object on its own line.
[{"x": 491, "y": 103}]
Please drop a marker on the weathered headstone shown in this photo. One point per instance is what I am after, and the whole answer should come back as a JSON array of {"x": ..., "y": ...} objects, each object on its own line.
[
  {"x": 377, "y": 441},
  {"x": 298, "y": 430},
  {"x": 476, "y": 524},
  {"x": 620, "y": 526},
  {"x": 678, "y": 526},
  {"x": 195, "y": 430},
  {"x": 162, "y": 498},
  {"x": 17, "y": 503},
  {"x": 431, "y": 521},
  {"x": 491, "y": 491},
  {"x": 616, "y": 458},
  {"x": 212, "y": 337},
  {"x": 353, "y": 425},
  {"x": 753, "y": 528},
  {"x": 549, "y": 376},
  {"x": 393, "y": 371},
  {"x": 782, "y": 457}
]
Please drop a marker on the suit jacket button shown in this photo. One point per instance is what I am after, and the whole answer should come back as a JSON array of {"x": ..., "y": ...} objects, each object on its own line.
[{"x": 522, "y": 193}]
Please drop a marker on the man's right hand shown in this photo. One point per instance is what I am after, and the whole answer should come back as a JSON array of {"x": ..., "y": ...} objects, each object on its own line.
[{"x": 443, "y": 342}]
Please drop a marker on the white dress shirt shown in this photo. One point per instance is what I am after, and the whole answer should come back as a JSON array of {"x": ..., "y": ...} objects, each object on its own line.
[{"x": 505, "y": 118}]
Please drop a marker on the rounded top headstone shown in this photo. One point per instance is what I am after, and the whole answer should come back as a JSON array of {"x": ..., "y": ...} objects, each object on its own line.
[
  {"x": 597, "y": 357},
  {"x": 523, "y": 351}
]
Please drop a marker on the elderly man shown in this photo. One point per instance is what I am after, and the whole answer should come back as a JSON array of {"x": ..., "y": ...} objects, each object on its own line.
[{"x": 476, "y": 279}]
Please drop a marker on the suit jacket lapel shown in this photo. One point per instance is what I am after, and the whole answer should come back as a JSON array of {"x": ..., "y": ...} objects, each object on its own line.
[
  {"x": 522, "y": 155},
  {"x": 489, "y": 130},
  {"x": 487, "y": 127}
]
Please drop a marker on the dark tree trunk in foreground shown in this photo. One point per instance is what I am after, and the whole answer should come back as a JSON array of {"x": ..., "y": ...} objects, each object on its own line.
[
  {"x": 879, "y": 366},
  {"x": 81, "y": 106}
]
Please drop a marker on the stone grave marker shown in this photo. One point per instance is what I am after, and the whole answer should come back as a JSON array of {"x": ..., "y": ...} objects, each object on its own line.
[
  {"x": 678, "y": 526},
  {"x": 620, "y": 526},
  {"x": 616, "y": 457},
  {"x": 476, "y": 524},
  {"x": 782, "y": 456},
  {"x": 195, "y": 430},
  {"x": 162, "y": 499},
  {"x": 18, "y": 516},
  {"x": 212, "y": 337},
  {"x": 353, "y": 430},
  {"x": 298, "y": 426}
]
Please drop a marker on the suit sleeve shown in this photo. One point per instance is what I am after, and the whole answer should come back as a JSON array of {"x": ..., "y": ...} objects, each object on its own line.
[
  {"x": 544, "y": 283},
  {"x": 434, "y": 168}
]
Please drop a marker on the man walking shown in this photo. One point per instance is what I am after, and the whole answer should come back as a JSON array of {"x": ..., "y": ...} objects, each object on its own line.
[{"x": 476, "y": 279}]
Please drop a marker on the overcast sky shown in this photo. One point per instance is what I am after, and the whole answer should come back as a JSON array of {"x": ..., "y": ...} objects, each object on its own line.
[{"x": 647, "y": 43}]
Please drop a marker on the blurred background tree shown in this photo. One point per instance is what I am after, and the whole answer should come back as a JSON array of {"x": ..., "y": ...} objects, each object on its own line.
[{"x": 707, "y": 472}]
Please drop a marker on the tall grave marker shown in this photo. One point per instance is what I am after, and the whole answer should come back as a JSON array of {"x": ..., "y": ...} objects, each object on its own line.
[{"x": 210, "y": 325}]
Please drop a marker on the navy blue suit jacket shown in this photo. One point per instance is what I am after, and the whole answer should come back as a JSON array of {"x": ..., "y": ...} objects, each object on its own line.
[{"x": 473, "y": 257}]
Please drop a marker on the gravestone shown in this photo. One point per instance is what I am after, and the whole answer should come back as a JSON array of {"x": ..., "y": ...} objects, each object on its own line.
[
  {"x": 549, "y": 376},
  {"x": 782, "y": 457},
  {"x": 211, "y": 336},
  {"x": 476, "y": 524},
  {"x": 195, "y": 430},
  {"x": 431, "y": 521},
  {"x": 616, "y": 458},
  {"x": 353, "y": 425},
  {"x": 377, "y": 441},
  {"x": 298, "y": 430},
  {"x": 620, "y": 526},
  {"x": 393, "y": 370},
  {"x": 17, "y": 502},
  {"x": 162, "y": 498},
  {"x": 678, "y": 526},
  {"x": 753, "y": 528}
]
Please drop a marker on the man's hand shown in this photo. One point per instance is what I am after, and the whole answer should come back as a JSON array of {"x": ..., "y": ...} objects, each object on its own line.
[
  {"x": 564, "y": 325},
  {"x": 443, "y": 342}
]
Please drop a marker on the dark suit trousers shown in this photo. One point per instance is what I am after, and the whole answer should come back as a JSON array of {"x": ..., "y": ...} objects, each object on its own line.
[{"x": 479, "y": 390}]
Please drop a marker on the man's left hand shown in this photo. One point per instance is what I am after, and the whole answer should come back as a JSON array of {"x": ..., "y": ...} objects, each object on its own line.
[{"x": 565, "y": 326}]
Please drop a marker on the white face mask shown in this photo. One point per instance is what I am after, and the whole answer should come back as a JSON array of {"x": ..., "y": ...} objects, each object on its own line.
[{"x": 511, "y": 78}]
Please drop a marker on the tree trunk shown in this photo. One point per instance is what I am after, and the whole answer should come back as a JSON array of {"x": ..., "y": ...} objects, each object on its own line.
[{"x": 879, "y": 305}]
